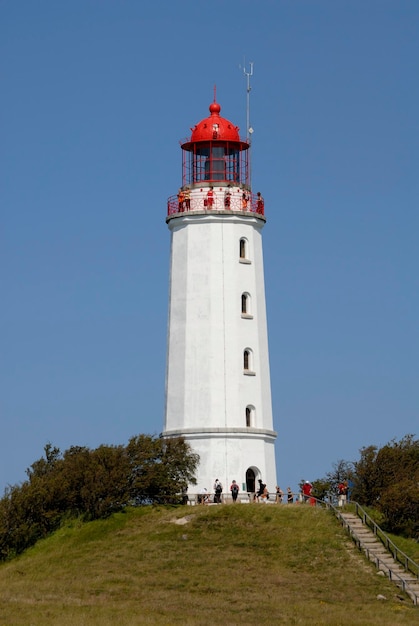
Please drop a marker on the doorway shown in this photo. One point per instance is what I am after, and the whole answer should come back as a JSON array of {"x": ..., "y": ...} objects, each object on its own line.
[{"x": 250, "y": 481}]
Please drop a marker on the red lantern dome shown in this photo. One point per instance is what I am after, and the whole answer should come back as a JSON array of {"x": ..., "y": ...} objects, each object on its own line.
[
  {"x": 215, "y": 127},
  {"x": 215, "y": 152}
]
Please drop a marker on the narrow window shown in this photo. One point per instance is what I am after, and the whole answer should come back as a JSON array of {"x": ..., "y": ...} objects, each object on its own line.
[
  {"x": 248, "y": 416},
  {"x": 242, "y": 248},
  {"x": 246, "y": 360},
  {"x": 244, "y": 303},
  {"x": 246, "y": 306}
]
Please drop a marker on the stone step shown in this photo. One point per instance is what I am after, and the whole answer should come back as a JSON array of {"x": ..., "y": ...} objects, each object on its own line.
[
  {"x": 384, "y": 559},
  {"x": 368, "y": 536},
  {"x": 360, "y": 525},
  {"x": 374, "y": 549},
  {"x": 365, "y": 535}
]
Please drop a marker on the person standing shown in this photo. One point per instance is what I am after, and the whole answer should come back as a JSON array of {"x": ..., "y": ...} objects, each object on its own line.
[
  {"x": 342, "y": 493},
  {"x": 307, "y": 487},
  {"x": 210, "y": 197},
  {"x": 260, "y": 204},
  {"x": 278, "y": 495},
  {"x": 244, "y": 201},
  {"x": 234, "y": 488},
  {"x": 218, "y": 490},
  {"x": 290, "y": 496},
  {"x": 187, "y": 196},
  {"x": 260, "y": 491},
  {"x": 227, "y": 198},
  {"x": 180, "y": 200}
]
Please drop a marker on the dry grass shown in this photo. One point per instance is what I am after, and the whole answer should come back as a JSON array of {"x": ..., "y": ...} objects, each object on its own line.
[{"x": 253, "y": 564}]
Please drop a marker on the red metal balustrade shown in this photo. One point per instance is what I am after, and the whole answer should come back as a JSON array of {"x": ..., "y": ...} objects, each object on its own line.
[{"x": 199, "y": 202}]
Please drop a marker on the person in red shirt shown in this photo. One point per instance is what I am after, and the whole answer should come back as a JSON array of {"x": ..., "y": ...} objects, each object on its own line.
[
  {"x": 307, "y": 488},
  {"x": 210, "y": 198},
  {"x": 342, "y": 493},
  {"x": 260, "y": 204},
  {"x": 234, "y": 488}
]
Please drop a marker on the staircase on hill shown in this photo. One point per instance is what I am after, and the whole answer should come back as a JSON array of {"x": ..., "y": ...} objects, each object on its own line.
[{"x": 368, "y": 542}]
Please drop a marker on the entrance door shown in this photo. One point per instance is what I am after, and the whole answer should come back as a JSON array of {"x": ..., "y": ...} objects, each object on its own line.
[{"x": 250, "y": 481}]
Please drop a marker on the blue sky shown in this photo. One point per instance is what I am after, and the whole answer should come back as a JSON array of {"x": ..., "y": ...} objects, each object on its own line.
[{"x": 95, "y": 98}]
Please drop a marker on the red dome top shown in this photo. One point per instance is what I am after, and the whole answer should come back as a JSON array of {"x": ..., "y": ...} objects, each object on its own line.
[{"x": 215, "y": 127}]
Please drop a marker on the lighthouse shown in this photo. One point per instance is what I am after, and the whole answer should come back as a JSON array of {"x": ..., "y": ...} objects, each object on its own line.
[{"x": 218, "y": 390}]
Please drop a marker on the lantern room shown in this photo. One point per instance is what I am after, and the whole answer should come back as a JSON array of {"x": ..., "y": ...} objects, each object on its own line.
[{"x": 215, "y": 153}]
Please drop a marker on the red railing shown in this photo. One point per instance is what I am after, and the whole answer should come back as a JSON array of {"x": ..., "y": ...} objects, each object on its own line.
[{"x": 199, "y": 202}]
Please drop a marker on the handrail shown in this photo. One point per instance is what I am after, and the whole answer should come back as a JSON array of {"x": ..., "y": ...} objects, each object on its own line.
[
  {"x": 377, "y": 560},
  {"x": 398, "y": 555},
  {"x": 379, "y": 563},
  {"x": 198, "y": 203}
]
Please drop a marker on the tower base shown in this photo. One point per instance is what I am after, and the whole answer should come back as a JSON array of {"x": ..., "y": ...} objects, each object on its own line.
[{"x": 243, "y": 455}]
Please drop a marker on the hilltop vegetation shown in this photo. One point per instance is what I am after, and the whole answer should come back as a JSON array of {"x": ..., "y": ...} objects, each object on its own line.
[
  {"x": 228, "y": 564},
  {"x": 91, "y": 484},
  {"x": 386, "y": 479}
]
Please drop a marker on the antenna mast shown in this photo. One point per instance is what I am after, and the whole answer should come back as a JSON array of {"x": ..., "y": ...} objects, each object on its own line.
[{"x": 249, "y": 129}]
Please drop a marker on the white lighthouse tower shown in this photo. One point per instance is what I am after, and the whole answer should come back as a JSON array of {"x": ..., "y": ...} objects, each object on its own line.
[{"x": 218, "y": 391}]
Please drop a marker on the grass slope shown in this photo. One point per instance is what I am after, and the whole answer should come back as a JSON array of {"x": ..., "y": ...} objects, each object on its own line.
[{"x": 229, "y": 564}]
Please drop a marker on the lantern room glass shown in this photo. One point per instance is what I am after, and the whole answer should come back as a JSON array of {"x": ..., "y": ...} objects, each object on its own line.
[{"x": 215, "y": 162}]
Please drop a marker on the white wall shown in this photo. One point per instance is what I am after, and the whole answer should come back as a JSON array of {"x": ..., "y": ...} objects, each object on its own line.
[{"x": 205, "y": 384}]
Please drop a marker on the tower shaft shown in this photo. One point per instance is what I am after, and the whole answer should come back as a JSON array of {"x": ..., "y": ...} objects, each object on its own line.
[{"x": 218, "y": 393}]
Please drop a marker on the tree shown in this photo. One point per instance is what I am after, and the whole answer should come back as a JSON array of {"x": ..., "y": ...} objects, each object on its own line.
[
  {"x": 367, "y": 481},
  {"x": 343, "y": 471},
  {"x": 92, "y": 484},
  {"x": 386, "y": 479},
  {"x": 400, "y": 506},
  {"x": 44, "y": 466},
  {"x": 322, "y": 488},
  {"x": 160, "y": 467}
]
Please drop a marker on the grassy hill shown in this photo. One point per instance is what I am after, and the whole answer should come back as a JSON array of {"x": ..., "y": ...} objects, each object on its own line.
[{"x": 228, "y": 564}]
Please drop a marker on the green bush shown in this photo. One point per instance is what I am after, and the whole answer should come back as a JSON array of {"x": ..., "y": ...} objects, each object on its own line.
[{"x": 91, "y": 484}]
